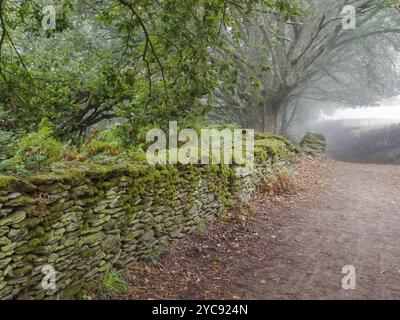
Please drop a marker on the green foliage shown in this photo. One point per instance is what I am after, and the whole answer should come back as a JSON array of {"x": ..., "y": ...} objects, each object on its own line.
[
  {"x": 6, "y": 144},
  {"x": 136, "y": 155},
  {"x": 141, "y": 63},
  {"x": 39, "y": 148},
  {"x": 145, "y": 61},
  {"x": 35, "y": 151},
  {"x": 105, "y": 146}
]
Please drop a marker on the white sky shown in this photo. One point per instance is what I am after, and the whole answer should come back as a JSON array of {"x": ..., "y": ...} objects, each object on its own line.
[{"x": 389, "y": 110}]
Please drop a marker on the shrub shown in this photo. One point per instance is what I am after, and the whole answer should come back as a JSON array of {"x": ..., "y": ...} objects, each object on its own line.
[
  {"x": 6, "y": 144},
  {"x": 107, "y": 142},
  {"x": 38, "y": 149}
]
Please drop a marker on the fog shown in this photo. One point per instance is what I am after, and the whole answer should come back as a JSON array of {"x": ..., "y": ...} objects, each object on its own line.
[
  {"x": 390, "y": 114},
  {"x": 387, "y": 110},
  {"x": 369, "y": 134}
]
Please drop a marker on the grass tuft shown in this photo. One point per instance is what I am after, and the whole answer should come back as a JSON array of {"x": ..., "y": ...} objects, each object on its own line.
[{"x": 113, "y": 282}]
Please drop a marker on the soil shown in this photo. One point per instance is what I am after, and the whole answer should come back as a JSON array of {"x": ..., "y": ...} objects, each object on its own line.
[{"x": 291, "y": 246}]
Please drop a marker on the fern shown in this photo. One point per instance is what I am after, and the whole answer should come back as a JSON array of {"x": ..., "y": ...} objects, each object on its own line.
[{"x": 38, "y": 149}]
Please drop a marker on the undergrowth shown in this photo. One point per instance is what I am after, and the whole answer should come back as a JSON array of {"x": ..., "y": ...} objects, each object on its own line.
[{"x": 113, "y": 282}]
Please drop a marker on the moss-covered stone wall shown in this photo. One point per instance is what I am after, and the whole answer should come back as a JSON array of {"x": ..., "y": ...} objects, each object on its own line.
[{"x": 86, "y": 217}]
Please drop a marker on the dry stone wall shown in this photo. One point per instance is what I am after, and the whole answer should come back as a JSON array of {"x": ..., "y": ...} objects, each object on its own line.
[{"x": 87, "y": 217}]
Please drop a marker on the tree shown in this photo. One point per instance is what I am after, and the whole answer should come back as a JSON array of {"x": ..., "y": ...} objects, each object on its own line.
[
  {"x": 142, "y": 62},
  {"x": 279, "y": 60}
]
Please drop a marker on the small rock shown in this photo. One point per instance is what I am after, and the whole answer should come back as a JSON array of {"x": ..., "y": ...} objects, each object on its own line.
[{"x": 14, "y": 195}]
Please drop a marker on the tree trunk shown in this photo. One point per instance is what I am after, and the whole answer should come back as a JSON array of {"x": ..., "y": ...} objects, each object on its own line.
[
  {"x": 273, "y": 107},
  {"x": 288, "y": 116},
  {"x": 284, "y": 122},
  {"x": 271, "y": 119}
]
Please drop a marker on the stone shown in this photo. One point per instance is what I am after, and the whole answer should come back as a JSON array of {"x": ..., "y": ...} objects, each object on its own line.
[
  {"x": 9, "y": 247},
  {"x": 313, "y": 143},
  {"x": 3, "y": 284},
  {"x": 14, "y": 195},
  {"x": 72, "y": 226},
  {"x": 91, "y": 230},
  {"x": 93, "y": 239},
  {"x": 99, "y": 208},
  {"x": 14, "y": 218},
  {"x": 4, "y": 262},
  {"x": 100, "y": 221},
  {"x": 4, "y": 241},
  {"x": 5, "y": 254},
  {"x": 17, "y": 234},
  {"x": 5, "y": 212},
  {"x": 148, "y": 235}
]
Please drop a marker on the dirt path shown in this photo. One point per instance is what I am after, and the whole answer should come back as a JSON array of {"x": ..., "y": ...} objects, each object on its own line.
[
  {"x": 354, "y": 220},
  {"x": 294, "y": 247}
]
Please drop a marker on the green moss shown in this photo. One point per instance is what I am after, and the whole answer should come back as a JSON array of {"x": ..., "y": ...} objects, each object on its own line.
[
  {"x": 15, "y": 184},
  {"x": 22, "y": 271},
  {"x": 5, "y": 181},
  {"x": 273, "y": 146},
  {"x": 59, "y": 206},
  {"x": 271, "y": 136},
  {"x": 31, "y": 246},
  {"x": 71, "y": 176},
  {"x": 73, "y": 291},
  {"x": 89, "y": 252},
  {"x": 313, "y": 143},
  {"x": 29, "y": 258},
  {"x": 50, "y": 218},
  {"x": 201, "y": 226},
  {"x": 30, "y": 222},
  {"x": 106, "y": 184},
  {"x": 20, "y": 201},
  {"x": 38, "y": 232}
]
